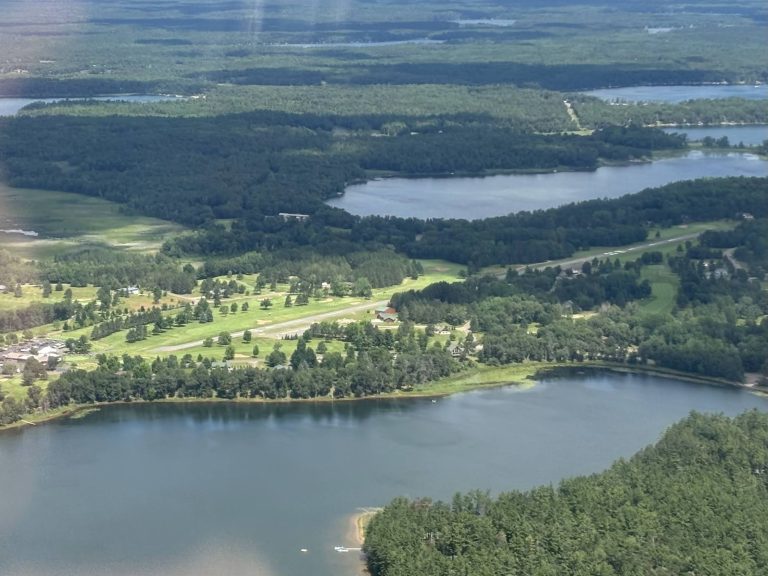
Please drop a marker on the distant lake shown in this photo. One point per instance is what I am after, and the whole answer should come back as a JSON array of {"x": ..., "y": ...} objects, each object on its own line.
[
  {"x": 358, "y": 44},
  {"x": 239, "y": 489},
  {"x": 501, "y": 22},
  {"x": 676, "y": 94},
  {"x": 749, "y": 135},
  {"x": 11, "y": 106},
  {"x": 473, "y": 198}
]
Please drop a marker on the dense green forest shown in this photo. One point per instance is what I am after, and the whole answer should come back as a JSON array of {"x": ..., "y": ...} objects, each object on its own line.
[
  {"x": 195, "y": 170},
  {"x": 693, "y": 503}
]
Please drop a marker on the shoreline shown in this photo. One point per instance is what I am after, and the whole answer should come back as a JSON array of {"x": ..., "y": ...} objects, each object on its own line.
[
  {"x": 358, "y": 522},
  {"x": 522, "y": 375},
  {"x": 355, "y": 534}
]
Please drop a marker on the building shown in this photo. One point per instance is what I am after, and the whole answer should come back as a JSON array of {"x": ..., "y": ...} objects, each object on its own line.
[
  {"x": 17, "y": 359},
  {"x": 455, "y": 349},
  {"x": 289, "y": 216},
  {"x": 388, "y": 314}
]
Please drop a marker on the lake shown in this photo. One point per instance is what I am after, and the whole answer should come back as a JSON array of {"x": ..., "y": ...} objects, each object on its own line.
[
  {"x": 236, "y": 489},
  {"x": 357, "y": 44},
  {"x": 749, "y": 135},
  {"x": 478, "y": 197},
  {"x": 11, "y": 106},
  {"x": 500, "y": 22},
  {"x": 675, "y": 94}
]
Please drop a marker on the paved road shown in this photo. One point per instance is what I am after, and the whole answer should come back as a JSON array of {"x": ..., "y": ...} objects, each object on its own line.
[
  {"x": 289, "y": 327},
  {"x": 616, "y": 252}
]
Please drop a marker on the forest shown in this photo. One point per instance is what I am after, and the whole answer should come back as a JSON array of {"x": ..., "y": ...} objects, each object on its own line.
[
  {"x": 196, "y": 170},
  {"x": 693, "y": 503}
]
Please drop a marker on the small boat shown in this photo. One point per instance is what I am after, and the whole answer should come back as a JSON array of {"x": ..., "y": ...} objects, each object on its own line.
[{"x": 345, "y": 549}]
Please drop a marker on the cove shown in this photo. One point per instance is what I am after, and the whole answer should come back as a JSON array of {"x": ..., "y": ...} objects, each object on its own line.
[
  {"x": 236, "y": 489},
  {"x": 473, "y": 198},
  {"x": 676, "y": 94}
]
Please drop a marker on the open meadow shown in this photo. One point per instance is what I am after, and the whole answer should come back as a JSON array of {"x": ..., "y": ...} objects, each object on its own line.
[{"x": 56, "y": 221}]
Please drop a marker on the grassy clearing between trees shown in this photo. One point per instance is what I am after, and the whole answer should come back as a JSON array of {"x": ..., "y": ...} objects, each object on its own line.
[
  {"x": 64, "y": 219},
  {"x": 257, "y": 318},
  {"x": 664, "y": 284},
  {"x": 194, "y": 333}
]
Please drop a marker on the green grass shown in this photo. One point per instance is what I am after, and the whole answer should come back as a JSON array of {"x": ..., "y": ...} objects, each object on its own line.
[
  {"x": 484, "y": 376},
  {"x": 254, "y": 318},
  {"x": 11, "y": 386},
  {"x": 62, "y": 220},
  {"x": 31, "y": 294},
  {"x": 664, "y": 284}
]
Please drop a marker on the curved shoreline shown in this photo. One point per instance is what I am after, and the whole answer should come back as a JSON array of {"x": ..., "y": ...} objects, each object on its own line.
[{"x": 479, "y": 378}]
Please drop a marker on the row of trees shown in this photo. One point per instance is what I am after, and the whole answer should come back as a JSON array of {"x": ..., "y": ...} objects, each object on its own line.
[{"x": 358, "y": 374}]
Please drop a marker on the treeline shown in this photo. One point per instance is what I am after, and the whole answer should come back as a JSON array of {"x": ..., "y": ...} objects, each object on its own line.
[
  {"x": 479, "y": 149},
  {"x": 371, "y": 369},
  {"x": 36, "y": 314},
  {"x": 14, "y": 270},
  {"x": 133, "y": 320},
  {"x": 562, "y": 77},
  {"x": 595, "y": 113},
  {"x": 381, "y": 268},
  {"x": 72, "y": 88},
  {"x": 114, "y": 270},
  {"x": 693, "y": 503}
]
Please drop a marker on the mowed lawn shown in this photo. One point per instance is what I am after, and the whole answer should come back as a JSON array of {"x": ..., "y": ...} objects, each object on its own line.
[
  {"x": 62, "y": 219},
  {"x": 256, "y": 317},
  {"x": 664, "y": 284}
]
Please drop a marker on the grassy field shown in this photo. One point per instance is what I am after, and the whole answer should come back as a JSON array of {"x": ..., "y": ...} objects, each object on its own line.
[
  {"x": 664, "y": 284},
  {"x": 256, "y": 318},
  {"x": 31, "y": 294},
  {"x": 485, "y": 376},
  {"x": 62, "y": 219}
]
